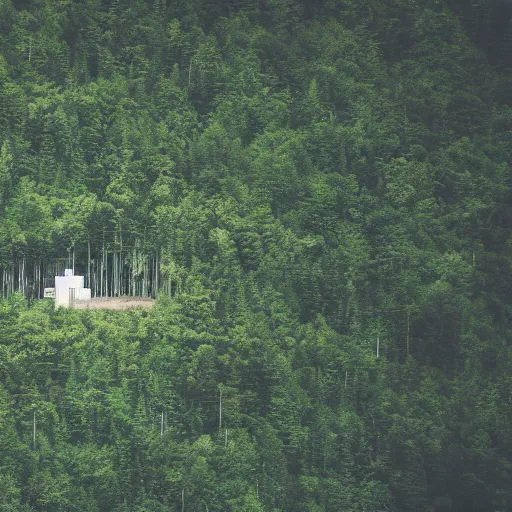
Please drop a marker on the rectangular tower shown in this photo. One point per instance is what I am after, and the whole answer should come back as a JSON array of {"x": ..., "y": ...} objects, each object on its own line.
[{"x": 69, "y": 288}]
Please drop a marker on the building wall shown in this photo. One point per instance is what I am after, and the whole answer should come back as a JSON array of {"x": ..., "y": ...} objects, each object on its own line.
[
  {"x": 84, "y": 294},
  {"x": 63, "y": 284}
]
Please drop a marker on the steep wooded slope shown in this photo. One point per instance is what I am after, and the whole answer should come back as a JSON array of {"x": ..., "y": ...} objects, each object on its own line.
[{"x": 304, "y": 181}]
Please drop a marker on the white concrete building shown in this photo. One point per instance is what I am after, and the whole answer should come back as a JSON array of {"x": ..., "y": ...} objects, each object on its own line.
[{"x": 69, "y": 288}]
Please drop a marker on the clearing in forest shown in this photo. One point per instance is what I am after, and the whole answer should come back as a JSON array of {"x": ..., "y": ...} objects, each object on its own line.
[{"x": 114, "y": 303}]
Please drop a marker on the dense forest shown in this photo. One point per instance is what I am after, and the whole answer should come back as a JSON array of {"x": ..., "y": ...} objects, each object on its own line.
[{"x": 319, "y": 194}]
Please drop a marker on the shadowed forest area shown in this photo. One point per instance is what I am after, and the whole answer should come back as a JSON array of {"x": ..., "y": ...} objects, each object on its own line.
[{"x": 319, "y": 194}]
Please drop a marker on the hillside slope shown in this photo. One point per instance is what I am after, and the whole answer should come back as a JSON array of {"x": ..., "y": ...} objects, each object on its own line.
[{"x": 298, "y": 184}]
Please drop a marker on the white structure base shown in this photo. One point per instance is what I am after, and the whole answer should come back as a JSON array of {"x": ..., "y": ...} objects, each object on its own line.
[{"x": 69, "y": 288}]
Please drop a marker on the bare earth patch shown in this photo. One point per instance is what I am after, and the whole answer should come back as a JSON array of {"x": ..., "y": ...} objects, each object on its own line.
[{"x": 114, "y": 303}]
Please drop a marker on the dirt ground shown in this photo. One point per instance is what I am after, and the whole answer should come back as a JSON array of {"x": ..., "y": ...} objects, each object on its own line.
[{"x": 114, "y": 303}]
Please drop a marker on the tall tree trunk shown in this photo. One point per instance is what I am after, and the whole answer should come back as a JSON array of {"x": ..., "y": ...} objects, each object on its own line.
[
  {"x": 114, "y": 270},
  {"x": 101, "y": 269},
  {"x": 157, "y": 269},
  {"x": 144, "y": 276},
  {"x": 120, "y": 268},
  {"x": 88, "y": 263},
  {"x": 134, "y": 271},
  {"x": 106, "y": 275}
]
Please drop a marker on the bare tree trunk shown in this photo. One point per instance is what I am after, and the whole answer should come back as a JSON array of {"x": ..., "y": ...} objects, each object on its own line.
[
  {"x": 130, "y": 274},
  {"x": 157, "y": 264},
  {"x": 106, "y": 274},
  {"x": 94, "y": 290},
  {"x": 113, "y": 272},
  {"x": 141, "y": 273},
  {"x": 134, "y": 270},
  {"x": 121, "y": 262},
  {"x": 113, "y": 268},
  {"x": 136, "y": 274},
  {"x": 101, "y": 269},
  {"x": 152, "y": 275},
  {"x": 119, "y": 276},
  {"x": 135, "y": 265},
  {"x": 144, "y": 276},
  {"x": 148, "y": 275},
  {"x": 88, "y": 264}
]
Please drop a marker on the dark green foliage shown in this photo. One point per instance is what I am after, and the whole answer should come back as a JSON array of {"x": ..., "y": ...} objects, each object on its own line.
[{"x": 298, "y": 183}]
